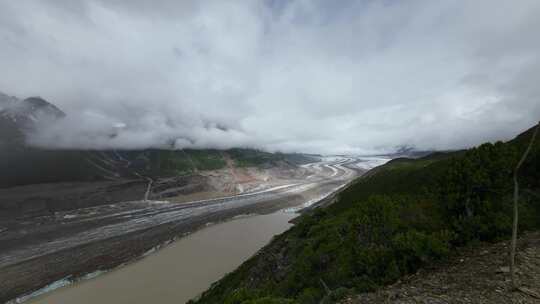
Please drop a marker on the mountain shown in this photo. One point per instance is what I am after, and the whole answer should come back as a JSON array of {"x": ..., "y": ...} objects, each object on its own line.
[
  {"x": 388, "y": 224},
  {"x": 6, "y": 101},
  {"x": 19, "y": 117},
  {"x": 21, "y": 164}
]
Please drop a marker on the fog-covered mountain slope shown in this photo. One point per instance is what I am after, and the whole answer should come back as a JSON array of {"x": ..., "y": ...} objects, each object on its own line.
[{"x": 22, "y": 163}]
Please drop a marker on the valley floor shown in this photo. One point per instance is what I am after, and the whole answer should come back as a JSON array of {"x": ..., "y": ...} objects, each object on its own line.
[
  {"x": 65, "y": 245},
  {"x": 476, "y": 274}
]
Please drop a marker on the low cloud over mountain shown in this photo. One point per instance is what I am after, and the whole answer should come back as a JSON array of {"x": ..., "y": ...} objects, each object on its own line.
[{"x": 312, "y": 76}]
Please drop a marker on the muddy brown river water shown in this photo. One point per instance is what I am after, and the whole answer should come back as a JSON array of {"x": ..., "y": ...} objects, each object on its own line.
[{"x": 180, "y": 271}]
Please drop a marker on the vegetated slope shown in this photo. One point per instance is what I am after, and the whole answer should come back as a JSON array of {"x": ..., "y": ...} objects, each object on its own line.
[
  {"x": 388, "y": 224},
  {"x": 27, "y": 165}
]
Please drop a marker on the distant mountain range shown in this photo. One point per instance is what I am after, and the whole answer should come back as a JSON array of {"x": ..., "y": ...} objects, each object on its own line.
[
  {"x": 405, "y": 151},
  {"x": 22, "y": 164}
]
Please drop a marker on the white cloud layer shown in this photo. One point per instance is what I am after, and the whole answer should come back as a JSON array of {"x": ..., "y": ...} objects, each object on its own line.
[{"x": 311, "y": 76}]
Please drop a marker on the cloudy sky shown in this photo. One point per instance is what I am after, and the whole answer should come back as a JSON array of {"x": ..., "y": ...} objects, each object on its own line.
[{"x": 311, "y": 76}]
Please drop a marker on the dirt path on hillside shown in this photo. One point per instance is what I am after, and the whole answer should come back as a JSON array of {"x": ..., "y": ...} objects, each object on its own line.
[{"x": 474, "y": 275}]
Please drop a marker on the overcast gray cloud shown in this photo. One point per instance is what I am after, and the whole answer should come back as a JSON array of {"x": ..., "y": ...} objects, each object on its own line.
[{"x": 314, "y": 76}]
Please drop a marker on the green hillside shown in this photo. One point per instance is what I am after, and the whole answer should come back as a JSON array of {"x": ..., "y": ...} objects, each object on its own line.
[
  {"x": 388, "y": 224},
  {"x": 20, "y": 165}
]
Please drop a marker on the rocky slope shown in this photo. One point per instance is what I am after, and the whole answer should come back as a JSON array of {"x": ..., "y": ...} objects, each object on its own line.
[{"x": 477, "y": 274}]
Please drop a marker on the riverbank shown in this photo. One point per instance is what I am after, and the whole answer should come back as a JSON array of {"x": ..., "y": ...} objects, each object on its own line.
[
  {"x": 79, "y": 244},
  {"x": 180, "y": 271},
  {"x": 103, "y": 255}
]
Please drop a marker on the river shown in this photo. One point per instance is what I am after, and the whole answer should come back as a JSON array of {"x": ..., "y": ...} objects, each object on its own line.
[{"x": 182, "y": 270}]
